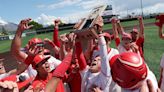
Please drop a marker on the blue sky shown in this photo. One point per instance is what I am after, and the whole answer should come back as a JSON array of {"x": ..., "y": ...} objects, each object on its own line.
[
  {"x": 44, "y": 11},
  {"x": 20, "y": 9}
]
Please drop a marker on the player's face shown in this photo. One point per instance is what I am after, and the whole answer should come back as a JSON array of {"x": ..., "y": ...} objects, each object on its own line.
[
  {"x": 126, "y": 42},
  {"x": 134, "y": 35},
  {"x": 2, "y": 68},
  {"x": 95, "y": 65},
  {"x": 44, "y": 67}
]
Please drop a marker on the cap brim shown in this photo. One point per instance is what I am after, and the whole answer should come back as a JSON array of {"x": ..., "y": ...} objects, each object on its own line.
[{"x": 44, "y": 60}]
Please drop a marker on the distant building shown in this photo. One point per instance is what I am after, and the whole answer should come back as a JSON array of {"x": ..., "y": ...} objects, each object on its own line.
[{"x": 108, "y": 13}]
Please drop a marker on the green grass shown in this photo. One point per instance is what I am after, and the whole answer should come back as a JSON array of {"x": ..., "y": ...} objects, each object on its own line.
[
  {"x": 129, "y": 23},
  {"x": 153, "y": 49},
  {"x": 5, "y": 45}
]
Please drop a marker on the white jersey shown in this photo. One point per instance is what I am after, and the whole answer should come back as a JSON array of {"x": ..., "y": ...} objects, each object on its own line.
[
  {"x": 4, "y": 75},
  {"x": 102, "y": 79},
  {"x": 29, "y": 72},
  {"x": 122, "y": 49},
  {"x": 162, "y": 66},
  {"x": 151, "y": 77}
]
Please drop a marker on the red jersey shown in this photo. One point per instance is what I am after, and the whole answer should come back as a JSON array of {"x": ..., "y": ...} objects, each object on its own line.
[
  {"x": 74, "y": 81},
  {"x": 140, "y": 43},
  {"x": 41, "y": 83},
  {"x": 56, "y": 40}
]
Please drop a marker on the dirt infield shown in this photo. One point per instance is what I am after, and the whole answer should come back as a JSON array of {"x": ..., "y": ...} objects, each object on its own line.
[{"x": 10, "y": 62}]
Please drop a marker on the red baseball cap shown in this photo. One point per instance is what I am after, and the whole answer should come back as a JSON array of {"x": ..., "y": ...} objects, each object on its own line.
[
  {"x": 107, "y": 35},
  {"x": 134, "y": 30},
  {"x": 126, "y": 35},
  {"x": 39, "y": 58},
  {"x": 34, "y": 41}
]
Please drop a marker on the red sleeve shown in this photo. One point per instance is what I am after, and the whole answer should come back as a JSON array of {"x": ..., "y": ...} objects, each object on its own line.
[
  {"x": 10, "y": 78},
  {"x": 28, "y": 60},
  {"x": 62, "y": 68},
  {"x": 117, "y": 41},
  {"x": 140, "y": 41},
  {"x": 55, "y": 37},
  {"x": 80, "y": 56}
]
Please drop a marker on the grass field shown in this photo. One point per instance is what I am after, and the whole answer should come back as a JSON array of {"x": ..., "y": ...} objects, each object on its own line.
[{"x": 153, "y": 46}]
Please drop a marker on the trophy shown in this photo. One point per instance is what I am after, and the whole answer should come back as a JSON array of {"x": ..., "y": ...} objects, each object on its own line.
[
  {"x": 159, "y": 20},
  {"x": 85, "y": 29}
]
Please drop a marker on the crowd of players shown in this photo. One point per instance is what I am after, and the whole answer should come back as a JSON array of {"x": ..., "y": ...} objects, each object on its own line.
[{"x": 64, "y": 65}]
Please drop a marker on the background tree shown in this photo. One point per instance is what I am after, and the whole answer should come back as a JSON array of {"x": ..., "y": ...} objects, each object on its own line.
[{"x": 36, "y": 25}]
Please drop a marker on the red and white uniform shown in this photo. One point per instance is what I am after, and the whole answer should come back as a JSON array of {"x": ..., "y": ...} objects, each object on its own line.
[
  {"x": 56, "y": 40},
  {"x": 61, "y": 69},
  {"x": 29, "y": 72},
  {"x": 4, "y": 75},
  {"x": 151, "y": 77},
  {"x": 74, "y": 81},
  {"x": 55, "y": 37},
  {"x": 40, "y": 82},
  {"x": 140, "y": 43},
  {"x": 121, "y": 48},
  {"x": 103, "y": 78}
]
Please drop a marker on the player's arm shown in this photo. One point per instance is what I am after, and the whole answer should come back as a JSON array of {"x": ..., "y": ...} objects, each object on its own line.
[
  {"x": 161, "y": 35},
  {"x": 119, "y": 27},
  {"x": 17, "y": 42},
  {"x": 141, "y": 25},
  {"x": 51, "y": 46},
  {"x": 90, "y": 47},
  {"x": 161, "y": 76},
  {"x": 59, "y": 72},
  {"x": 105, "y": 68},
  {"x": 80, "y": 56},
  {"x": 115, "y": 32},
  {"x": 56, "y": 33},
  {"x": 52, "y": 84},
  {"x": 114, "y": 27},
  {"x": 8, "y": 86},
  {"x": 63, "y": 41}
]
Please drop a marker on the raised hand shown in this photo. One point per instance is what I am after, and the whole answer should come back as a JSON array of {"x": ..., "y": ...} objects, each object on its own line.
[
  {"x": 48, "y": 42},
  {"x": 99, "y": 21},
  {"x": 148, "y": 87},
  {"x": 33, "y": 50},
  {"x": 63, "y": 38},
  {"x": 8, "y": 86},
  {"x": 23, "y": 25},
  {"x": 57, "y": 22},
  {"x": 114, "y": 20},
  {"x": 134, "y": 47},
  {"x": 139, "y": 18}
]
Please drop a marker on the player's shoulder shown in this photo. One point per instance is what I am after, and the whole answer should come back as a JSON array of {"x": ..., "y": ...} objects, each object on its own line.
[{"x": 114, "y": 51}]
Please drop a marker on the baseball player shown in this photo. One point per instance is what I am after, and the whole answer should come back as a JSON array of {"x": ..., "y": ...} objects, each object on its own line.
[{"x": 130, "y": 72}]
